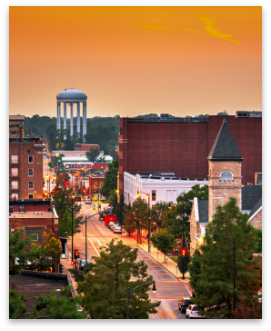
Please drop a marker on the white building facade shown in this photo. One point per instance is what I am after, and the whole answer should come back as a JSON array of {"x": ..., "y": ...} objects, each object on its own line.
[{"x": 163, "y": 187}]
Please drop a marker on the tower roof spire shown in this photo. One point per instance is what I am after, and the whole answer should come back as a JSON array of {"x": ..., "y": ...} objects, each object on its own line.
[{"x": 225, "y": 146}]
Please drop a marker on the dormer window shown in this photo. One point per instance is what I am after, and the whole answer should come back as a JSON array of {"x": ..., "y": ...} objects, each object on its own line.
[{"x": 226, "y": 175}]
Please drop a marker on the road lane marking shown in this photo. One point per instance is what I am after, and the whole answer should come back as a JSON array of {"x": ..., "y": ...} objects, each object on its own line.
[
  {"x": 188, "y": 290},
  {"x": 173, "y": 314},
  {"x": 152, "y": 316},
  {"x": 161, "y": 314},
  {"x": 167, "y": 314},
  {"x": 94, "y": 247}
]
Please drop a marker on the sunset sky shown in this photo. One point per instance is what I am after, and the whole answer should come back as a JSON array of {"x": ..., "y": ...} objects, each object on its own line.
[{"x": 136, "y": 60}]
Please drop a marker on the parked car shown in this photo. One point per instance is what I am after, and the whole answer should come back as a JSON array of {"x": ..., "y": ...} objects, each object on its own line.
[
  {"x": 83, "y": 263},
  {"x": 113, "y": 226},
  {"x": 88, "y": 201},
  {"x": 110, "y": 223},
  {"x": 183, "y": 304},
  {"x": 117, "y": 229},
  {"x": 78, "y": 199},
  {"x": 192, "y": 312}
]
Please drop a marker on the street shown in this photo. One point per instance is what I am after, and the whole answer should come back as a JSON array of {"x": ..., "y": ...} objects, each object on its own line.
[{"x": 169, "y": 288}]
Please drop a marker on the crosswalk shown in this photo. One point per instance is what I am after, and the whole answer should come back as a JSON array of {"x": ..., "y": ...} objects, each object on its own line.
[{"x": 165, "y": 314}]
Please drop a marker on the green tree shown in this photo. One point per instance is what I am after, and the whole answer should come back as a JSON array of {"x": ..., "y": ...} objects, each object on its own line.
[
  {"x": 47, "y": 253},
  {"x": 65, "y": 225},
  {"x": 61, "y": 178},
  {"x": 92, "y": 153},
  {"x": 194, "y": 269},
  {"x": 120, "y": 209},
  {"x": 104, "y": 290},
  {"x": 163, "y": 240},
  {"x": 63, "y": 202},
  {"x": 215, "y": 288},
  {"x": 110, "y": 181},
  {"x": 259, "y": 240}
]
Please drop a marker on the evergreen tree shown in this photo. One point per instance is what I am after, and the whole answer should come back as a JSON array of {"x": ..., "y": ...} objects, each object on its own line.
[
  {"x": 110, "y": 181},
  {"x": 215, "y": 288},
  {"x": 104, "y": 290},
  {"x": 194, "y": 269}
]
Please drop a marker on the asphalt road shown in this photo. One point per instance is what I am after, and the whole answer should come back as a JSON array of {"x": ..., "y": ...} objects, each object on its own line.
[{"x": 169, "y": 289}]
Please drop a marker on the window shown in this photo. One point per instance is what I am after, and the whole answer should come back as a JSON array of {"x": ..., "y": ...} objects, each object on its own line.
[
  {"x": 30, "y": 185},
  {"x": 14, "y": 159},
  {"x": 258, "y": 178},
  {"x": 30, "y": 172},
  {"x": 101, "y": 184},
  {"x": 14, "y": 184},
  {"x": 14, "y": 172},
  {"x": 153, "y": 195},
  {"x": 14, "y": 195},
  {"x": 37, "y": 235},
  {"x": 168, "y": 195},
  {"x": 30, "y": 196},
  {"x": 30, "y": 159},
  {"x": 226, "y": 175},
  {"x": 96, "y": 185}
]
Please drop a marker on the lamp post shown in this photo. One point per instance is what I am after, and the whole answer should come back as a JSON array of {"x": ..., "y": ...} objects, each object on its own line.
[
  {"x": 73, "y": 197},
  {"x": 128, "y": 294},
  {"x": 233, "y": 241}
]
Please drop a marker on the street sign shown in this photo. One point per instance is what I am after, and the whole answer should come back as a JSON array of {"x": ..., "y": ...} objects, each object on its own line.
[
  {"x": 94, "y": 199},
  {"x": 99, "y": 202}
]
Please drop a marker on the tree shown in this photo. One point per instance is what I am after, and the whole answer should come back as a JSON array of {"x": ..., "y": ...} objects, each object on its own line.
[
  {"x": 104, "y": 290},
  {"x": 65, "y": 225},
  {"x": 137, "y": 218},
  {"x": 215, "y": 287},
  {"x": 194, "y": 269},
  {"x": 47, "y": 253},
  {"x": 259, "y": 240},
  {"x": 62, "y": 178},
  {"x": 52, "y": 306},
  {"x": 110, "y": 181},
  {"x": 17, "y": 250},
  {"x": 120, "y": 209},
  {"x": 63, "y": 202},
  {"x": 248, "y": 309},
  {"x": 163, "y": 240},
  {"x": 92, "y": 153}
]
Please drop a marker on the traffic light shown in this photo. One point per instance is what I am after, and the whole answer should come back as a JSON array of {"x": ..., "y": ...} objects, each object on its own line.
[
  {"x": 66, "y": 183},
  {"x": 60, "y": 268},
  {"x": 183, "y": 251},
  {"x": 76, "y": 254},
  {"x": 59, "y": 216}
]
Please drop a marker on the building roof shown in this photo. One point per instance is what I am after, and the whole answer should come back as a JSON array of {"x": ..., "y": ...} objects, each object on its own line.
[
  {"x": 225, "y": 145},
  {"x": 34, "y": 214},
  {"x": 99, "y": 166},
  {"x": 16, "y": 117},
  {"x": 257, "y": 205},
  {"x": 203, "y": 206},
  {"x": 251, "y": 194}
]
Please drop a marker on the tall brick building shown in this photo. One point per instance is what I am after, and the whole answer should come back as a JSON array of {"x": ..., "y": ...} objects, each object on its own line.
[
  {"x": 181, "y": 145},
  {"x": 26, "y": 168}
]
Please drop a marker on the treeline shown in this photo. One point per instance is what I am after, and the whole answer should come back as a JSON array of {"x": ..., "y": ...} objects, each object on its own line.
[{"x": 101, "y": 130}]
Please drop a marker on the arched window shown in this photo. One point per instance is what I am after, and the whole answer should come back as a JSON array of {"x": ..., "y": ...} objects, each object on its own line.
[{"x": 226, "y": 175}]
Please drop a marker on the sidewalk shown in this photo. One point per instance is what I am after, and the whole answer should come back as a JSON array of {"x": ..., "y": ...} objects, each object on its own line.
[
  {"x": 170, "y": 265},
  {"x": 67, "y": 265}
]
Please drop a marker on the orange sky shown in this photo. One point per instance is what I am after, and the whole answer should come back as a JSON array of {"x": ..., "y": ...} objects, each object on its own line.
[{"x": 136, "y": 60}]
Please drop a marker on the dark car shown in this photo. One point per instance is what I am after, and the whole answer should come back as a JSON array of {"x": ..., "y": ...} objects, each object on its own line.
[
  {"x": 78, "y": 199},
  {"x": 83, "y": 263},
  {"x": 183, "y": 304}
]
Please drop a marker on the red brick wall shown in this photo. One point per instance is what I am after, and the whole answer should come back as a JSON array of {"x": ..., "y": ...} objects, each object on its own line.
[
  {"x": 21, "y": 149},
  {"x": 257, "y": 220},
  {"x": 32, "y": 208},
  {"x": 35, "y": 223},
  {"x": 183, "y": 147},
  {"x": 85, "y": 147}
]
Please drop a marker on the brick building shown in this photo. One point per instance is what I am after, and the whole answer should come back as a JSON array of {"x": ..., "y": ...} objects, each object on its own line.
[
  {"x": 36, "y": 216},
  {"x": 180, "y": 145},
  {"x": 26, "y": 168},
  {"x": 225, "y": 181},
  {"x": 96, "y": 181}
]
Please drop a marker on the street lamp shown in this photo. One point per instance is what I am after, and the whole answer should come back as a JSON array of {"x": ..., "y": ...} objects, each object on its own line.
[
  {"x": 48, "y": 180},
  {"x": 128, "y": 294},
  {"x": 233, "y": 241},
  {"x": 72, "y": 197}
]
